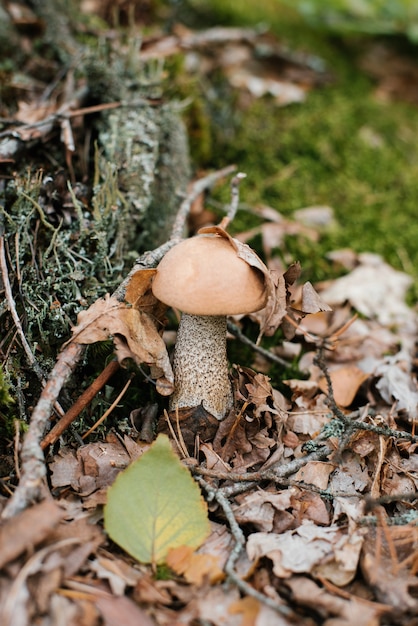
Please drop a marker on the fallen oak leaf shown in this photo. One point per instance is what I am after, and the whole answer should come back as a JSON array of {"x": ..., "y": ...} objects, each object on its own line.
[{"x": 133, "y": 330}]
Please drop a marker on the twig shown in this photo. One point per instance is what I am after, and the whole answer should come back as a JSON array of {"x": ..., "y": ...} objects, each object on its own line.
[
  {"x": 80, "y": 404},
  {"x": 254, "y": 478},
  {"x": 151, "y": 258},
  {"x": 237, "y": 332},
  {"x": 233, "y": 207},
  {"x": 239, "y": 538},
  {"x": 12, "y": 307},
  {"x": 349, "y": 424},
  {"x": 319, "y": 360},
  {"x": 32, "y": 459},
  {"x": 388, "y": 499},
  {"x": 197, "y": 188},
  {"x": 109, "y": 410}
]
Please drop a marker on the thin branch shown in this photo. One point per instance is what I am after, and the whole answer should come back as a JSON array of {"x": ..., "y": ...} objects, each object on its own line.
[
  {"x": 349, "y": 425},
  {"x": 12, "y": 308},
  {"x": 110, "y": 409},
  {"x": 151, "y": 258},
  {"x": 83, "y": 401},
  {"x": 237, "y": 332},
  {"x": 233, "y": 207},
  {"x": 275, "y": 474},
  {"x": 32, "y": 459},
  {"x": 239, "y": 538},
  {"x": 198, "y": 187}
]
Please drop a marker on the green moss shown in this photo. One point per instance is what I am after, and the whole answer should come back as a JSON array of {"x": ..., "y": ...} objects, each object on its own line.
[
  {"x": 324, "y": 145},
  {"x": 342, "y": 147}
]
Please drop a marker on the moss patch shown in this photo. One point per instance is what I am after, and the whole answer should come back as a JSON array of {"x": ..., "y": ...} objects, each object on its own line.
[{"x": 342, "y": 147}]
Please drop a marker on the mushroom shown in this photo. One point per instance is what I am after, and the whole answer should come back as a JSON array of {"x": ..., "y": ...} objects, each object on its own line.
[{"x": 207, "y": 277}]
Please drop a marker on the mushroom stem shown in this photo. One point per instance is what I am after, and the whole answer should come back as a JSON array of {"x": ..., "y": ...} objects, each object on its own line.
[{"x": 201, "y": 365}]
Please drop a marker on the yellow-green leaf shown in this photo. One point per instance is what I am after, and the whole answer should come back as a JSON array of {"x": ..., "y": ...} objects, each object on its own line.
[{"x": 155, "y": 505}]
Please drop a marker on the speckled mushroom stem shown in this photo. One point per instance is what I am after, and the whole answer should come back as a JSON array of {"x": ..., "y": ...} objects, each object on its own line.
[{"x": 201, "y": 365}]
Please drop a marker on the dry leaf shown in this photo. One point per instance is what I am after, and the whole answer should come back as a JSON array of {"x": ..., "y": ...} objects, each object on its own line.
[
  {"x": 258, "y": 508},
  {"x": 248, "y": 607},
  {"x": 134, "y": 332},
  {"x": 121, "y": 610},
  {"x": 196, "y": 568},
  {"x": 311, "y": 301},
  {"x": 345, "y": 612},
  {"x": 396, "y": 384},
  {"x": 271, "y": 316},
  {"x": 346, "y": 381},
  {"x": 303, "y": 550},
  {"x": 315, "y": 473},
  {"x": 375, "y": 289},
  {"x": 388, "y": 568},
  {"x": 28, "y": 529}
]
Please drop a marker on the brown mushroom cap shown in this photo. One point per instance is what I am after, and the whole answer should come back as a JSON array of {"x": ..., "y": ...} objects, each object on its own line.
[{"x": 204, "y": 276}]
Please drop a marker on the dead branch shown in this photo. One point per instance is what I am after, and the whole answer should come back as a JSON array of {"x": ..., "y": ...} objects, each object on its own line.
[
  {"x": 33, "y": 470},
  {"x": 83, "y": 401},
  {"x": 247, "y": 480},
  {"x": 151, "y": 258},
  {"x": 239, "y": 538},
  {"x": 234, "y": 330},
  {"x": 349, "y": 425},
  {"x": 12, "y": 308}
]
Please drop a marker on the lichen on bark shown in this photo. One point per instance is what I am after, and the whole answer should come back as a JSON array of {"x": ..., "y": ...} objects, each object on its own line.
[{"x": 148, "y": 144}]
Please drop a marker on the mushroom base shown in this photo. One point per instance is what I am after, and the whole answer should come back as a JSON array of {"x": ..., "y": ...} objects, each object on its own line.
[{"x": 201, "y": 365}]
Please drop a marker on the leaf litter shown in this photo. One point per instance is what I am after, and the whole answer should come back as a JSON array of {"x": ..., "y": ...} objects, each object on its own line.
[
  {"x": 316, "y": 482},
  {"x": 323, "y": 527}
]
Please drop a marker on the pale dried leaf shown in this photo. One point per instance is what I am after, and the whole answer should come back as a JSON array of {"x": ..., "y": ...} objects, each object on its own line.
[
  {"x": 317, "y": 216},
  {"x": 342, "y": 568},
  {"x": 315, "y": 473},
  {"x": 258, "y": 508},
  {"x": 116, "y": 611},
  {"x": 117, "y": 572},
  {"x": 295, "y": 551},
  {"x": 395, "y": 384},
  {"x": 309, "y": 549},
  {"x": 344, "y": 612},
  {"x": 387, "y": 568},
  {"x": 308, "y": 422},
  {"x": 28, "y": 529},
  {"x": 375, "y": 289},
  {"x": 196, "y": 568},
  {"x": 312, "y": 301}
]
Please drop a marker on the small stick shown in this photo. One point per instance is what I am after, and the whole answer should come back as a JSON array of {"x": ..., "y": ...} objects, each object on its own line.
[
  {"x": 234, "y": 330},
  {"x": 254, "y": 478},
  {"x": 233, "y": 207},
  {"x": 83, "y": 401},
  {"x": 197, "y": 188},
  {"x": 12, "y": 307},
  {"x": 109, "y": 410},
  {"x": 350, "y": 425},
  {"x": 151, "y": 258},
  {"x": 32, "y": 459},
  {"x": 239, "y": 538}
]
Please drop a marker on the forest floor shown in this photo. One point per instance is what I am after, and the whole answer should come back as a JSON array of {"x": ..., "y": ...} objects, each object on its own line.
[{"x": 308, "y": 489}]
